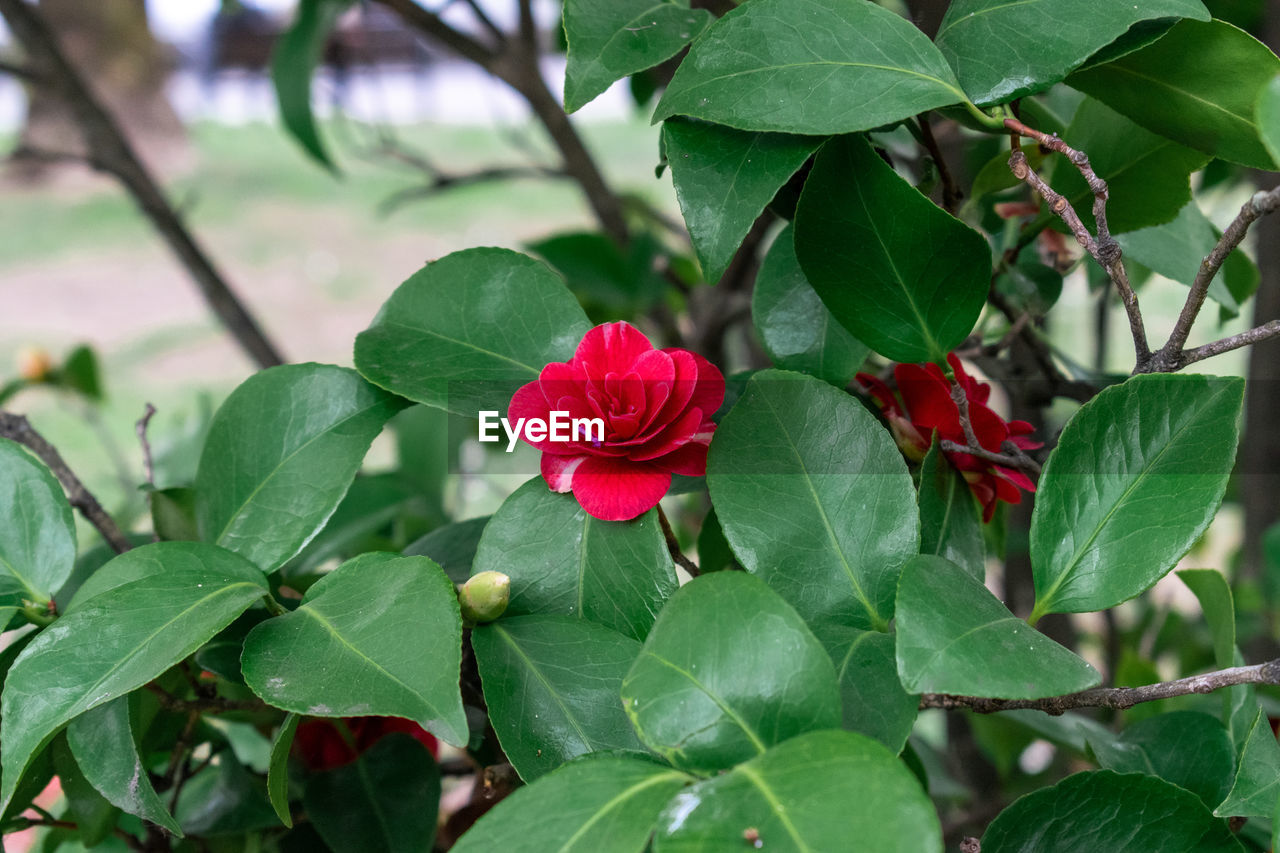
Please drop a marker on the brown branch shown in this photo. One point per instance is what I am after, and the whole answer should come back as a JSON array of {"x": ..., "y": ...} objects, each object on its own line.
[
  {"x": 23, "y": 72},
  {"x": 1253, "y": 336},
  {"x": 444, "y": 181},
  {"x": 1012, "y": 457},
  {"x": 18, "y": 428},
  {"x": 951, "y": 194},
  {"x": 148, "y": 465},
  {"x": 1115, "y": 698},
  {"x": 111, "y": 152},
  {"x": 212, "y": 704},
  {"x": 673, "y": 545}
]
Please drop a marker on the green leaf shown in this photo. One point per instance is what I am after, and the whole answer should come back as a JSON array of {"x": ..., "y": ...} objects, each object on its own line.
[
  {"x": 102, "y": 741},
  {"x": 80, "y": 373},
  {"x": 1206, "y": 104},
  {"x": 728, "y": 671},
  {"x": 1148, "y": 176},
  {"x": 950, "y": 525},
  {"x": 278, "y": 770},
  {"x": 369, "y": 506},
  {"x": 820, "y": 791},
  {"x": 92, "y": 814},
  {"x": 225, "y": 799},
  {"x": 1267, "y": 114},
  {"x": 1187, "y": 748},
  {"x": 464, "y": 332},
  {"x": 796, "y": 329},
  {"x": 910, "y": 285},
  {"x": 37, "y": 533},
  {"x": 173, "y": 514},
  {"x": 874, "y": 701},
  {"x": 1257, "y": 782},
  {"x": 724, "y": 178},
  {"x": 280, "y": 455},
  {"x": 1214, "y": 593},
  {"x": 551, "y": 684},
  {"x": 119, "y": 640},
  {"x": 452, "y": 546},
  {"x": 859, "y": 66},
  {"x": 379, "y": 635},
  {"x": 593, "y": 804},
  {"x": 561, "y": 560},
  {"x": 292, "y": 63},
  {"x": 614, "y": 283},
  {"x": 814, "y": 497},
  {"x": 951, "y": 628},
  {"x": 1136, "y": 477},
  {"x": 611, "y": 39},
  {"x": 386, "y": 800},
  {"x": 1002, "y": 50}
]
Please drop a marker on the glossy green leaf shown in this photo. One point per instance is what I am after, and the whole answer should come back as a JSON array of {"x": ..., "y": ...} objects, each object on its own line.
[
  {"x": 874, "y": 700},
  {"x": 464, "y": 332},
  {"x": 1257, "y": 781},
  {"x": 950, "y": 524},
  {"x": 452, "y": 546},
  {"x": 119, "y": 640},
  {"x": 1207, "y": 104},
  {"x": 386, "y": 800},
  {"x": 1214, "y": 594},
  {"x": 796, "y": 329},
  {"x": 1127, "y": 813},
  {"x": 102, "y": 741},
  {"x": 551, "y": 684},
  {"x": 859, "y": 66},
  {"x": 1135, "y": 479},
  {"x": 1148, "y": 176},
  {"x": 815, "y": 498},
  {"x": 612, "y": 282},
  {"x": 1002, "y": 50},
  {"x": 951, "y": 628},
  {"x": 293, "y": 61},
  {"x": 910, "y": 285},
  {"x": 278, "y": 770},
  {"x": 93, "y": 815},
  {"x": 1187, "y": 748},
  {"x": 225, "y": 799},
  {"x": 280, "y": 455},
  {"x": 594, "y": 804},
  {"x": 728, "y": 671},
  {"x": 37, "y": 533},
  {"x": 371, "y": 505},
  {"x": 724, "y": 178},
  {"x": 1267, "y": 114},
  {"x": 820, "y": 791},
  {"x": 611, "y": 39},
  {"x": 379, "y": 635},
  {"x": 173, "y": 514},
  {"x": 561, "y": 560}
]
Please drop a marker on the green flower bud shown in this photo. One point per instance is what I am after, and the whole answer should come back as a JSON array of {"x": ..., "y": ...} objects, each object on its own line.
[{"x": 484, "y": 597}]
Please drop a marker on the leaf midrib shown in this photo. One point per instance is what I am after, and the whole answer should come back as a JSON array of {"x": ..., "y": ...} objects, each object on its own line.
[
  {"x": 616, "y": 801},
  {"x": 542, "y": 679},
  {"x": 714, "y": 697}
]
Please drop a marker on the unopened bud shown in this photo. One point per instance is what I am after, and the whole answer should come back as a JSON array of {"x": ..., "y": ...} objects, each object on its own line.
[
  {"x": 34, "y": 364},
  {"x": 484, "y": 597}
]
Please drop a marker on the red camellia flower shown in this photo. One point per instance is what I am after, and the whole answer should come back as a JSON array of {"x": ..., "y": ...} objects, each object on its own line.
[
  {"x": 928, "y": 407},
  {"x": 320, "y": 745},
  {"x": 656, "y": 408}
]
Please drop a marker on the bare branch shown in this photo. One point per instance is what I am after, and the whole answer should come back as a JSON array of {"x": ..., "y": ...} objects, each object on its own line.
[
  {"x": 673, "y": 545},
  {"x": 1253, "y": 336},
  {"x": 486, "y": 21},
  {"x": 1012, "y": 457},
  {"x": 445, "y": 181},
  {"x": 141, "y": 428},
  {"x": 17, "y": 428},
  {"x": 1116, "y": 698},
  {"x": 433, "y": 25},
  {"x": 951, "y": 195},
  {"x": 22, "y": 72}
]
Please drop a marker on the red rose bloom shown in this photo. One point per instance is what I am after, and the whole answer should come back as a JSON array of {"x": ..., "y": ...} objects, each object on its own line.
[
  {"x": 320, "y": 745},
  {"x": 656, "y": 406},
  {"x": 928, "y": 407}
]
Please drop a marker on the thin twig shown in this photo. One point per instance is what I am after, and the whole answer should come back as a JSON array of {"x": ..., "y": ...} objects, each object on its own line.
[
  {"x": 445, "y": 181},
  {"x": 18, "y": 428},
  {"x": 951, "y": 195},
  {"x": 673, "y": 546},
  {"x": 212, "y": 704},
  {"x": 1116, "y": 698},
  {"x": 486, "y": 21},
  {"x": 148, "y": 466},
  {"x": 24, "y": 72},
  {"x": 1253, "y": 336},
  {"x": 1012, "y": 457}
]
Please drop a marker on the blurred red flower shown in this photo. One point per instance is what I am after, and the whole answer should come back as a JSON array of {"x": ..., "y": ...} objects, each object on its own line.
[{"x": 320, "y": 744}]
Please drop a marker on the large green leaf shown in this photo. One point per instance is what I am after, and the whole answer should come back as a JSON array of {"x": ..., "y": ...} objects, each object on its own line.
[
  {"x": 611, "y": 39},
  {"x": 1267, "y": 113},
  {"x": 37, "y": 533},
  {"x": 117, "y": 641},
  {"x": 728, "y": 671},
  {"x": 817, "y": 792},
  {"x": 386, "y": 800},
  {"x": 1214, "y": 593},
  {"x": 594, "y": 804},
  {"x": 292, "y": 63},
  {"x": 1148, "y": 176},
  {"x": 92, "y": 814},
  {"x": 859, "y": 66},
  {"x": 1135, "y": 479},
  {"x": 874, "y": 701},
  {"x": 796, "y": 329},
  {"x": 281, "y": 453},
  {"x": 951, "y": 628},
  {"x": 551, "y": 684},
  {"x": 1190, "y": 749},
  {"x": 452, "y": 546},
  {"x": 1002, "y": 50},
  {"x": 1257, "y": 782},
  {"x": 724, "y": 178},
  {"x": 561, "y": 560},
  {"x": 102, "y": 741},
  {"x": 464, "y": 332},
  {"x": 1128, "y": 813},
  {"x": 950, "y": 525},
  {"x": 910, "y": 285},
  {"x": 379, "y": 635},
  {"x": 814, "y": 497},
  {"x": 1206, "y": 102}
]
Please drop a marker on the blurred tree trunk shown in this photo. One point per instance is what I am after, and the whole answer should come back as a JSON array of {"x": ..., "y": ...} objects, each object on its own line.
[{"x": 111, "y": 44}]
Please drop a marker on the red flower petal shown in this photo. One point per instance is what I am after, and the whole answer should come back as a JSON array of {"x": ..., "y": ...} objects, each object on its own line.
[
  {"x": 610, "y": 348},
  {"x": 618, "y": 490},
  {"x": 558, "y": 471}
]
